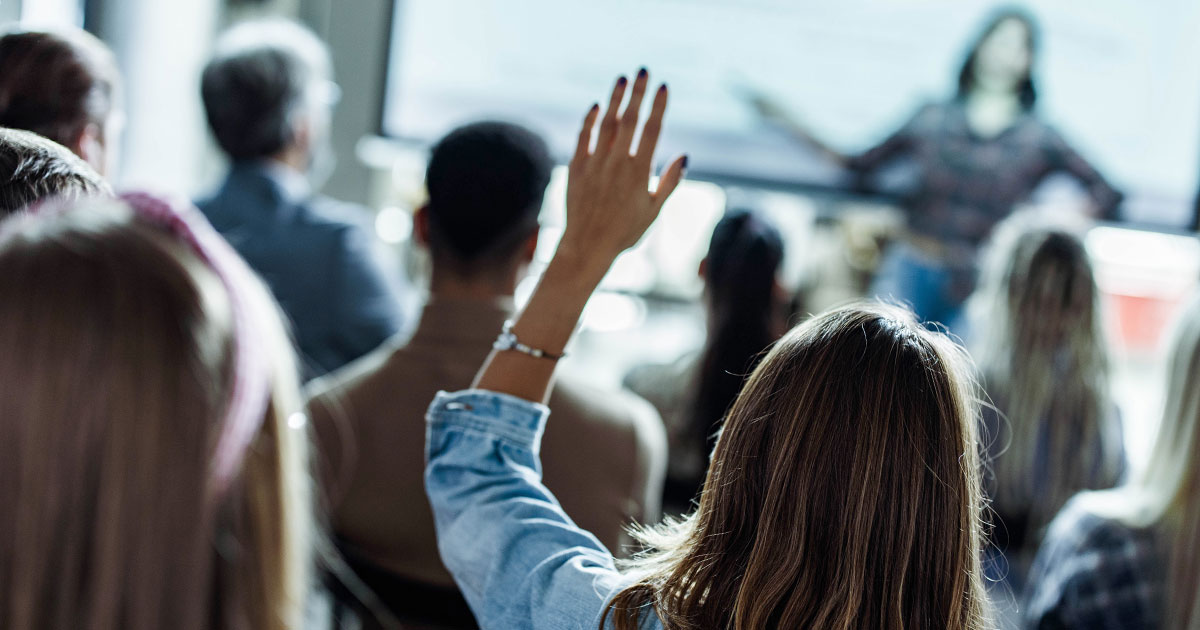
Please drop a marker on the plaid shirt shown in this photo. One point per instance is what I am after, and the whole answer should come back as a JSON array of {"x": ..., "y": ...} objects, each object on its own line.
[
  {"x": 964, "y": 184},
  {"x": 1094, "y": 573}
]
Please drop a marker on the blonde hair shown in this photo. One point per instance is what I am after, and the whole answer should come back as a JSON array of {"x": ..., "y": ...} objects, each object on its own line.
[
  {"x": 843, "y": 492},
  {"x": 118, "y": 370},
  {"x": 1040, "y": 347},
  {"x": 1165, "y": 496}
]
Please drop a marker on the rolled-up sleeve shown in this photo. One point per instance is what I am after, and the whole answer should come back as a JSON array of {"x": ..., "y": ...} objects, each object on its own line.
[{"x": 518, "y": 558}]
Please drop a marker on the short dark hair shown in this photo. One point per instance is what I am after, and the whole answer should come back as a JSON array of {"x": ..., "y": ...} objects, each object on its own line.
[
  {"x": 55, "y": 84},
  {"x": 255, "y": 82},
  {"x": 33, "y": 168},
  {"x": 486, "y": 181}
]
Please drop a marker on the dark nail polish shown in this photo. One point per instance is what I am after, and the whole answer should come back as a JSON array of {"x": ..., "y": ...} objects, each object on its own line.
[
  {"x": 595, "y": 106},
  {"x": 621, "y": 82},
  {"x": 685, "y": 161},
  {"x": 642, "y": 73},
  {"x": 662, "y": 88}
]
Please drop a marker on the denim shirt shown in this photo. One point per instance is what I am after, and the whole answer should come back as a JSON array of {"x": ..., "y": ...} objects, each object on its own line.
[{"x": 520, "y": 561}]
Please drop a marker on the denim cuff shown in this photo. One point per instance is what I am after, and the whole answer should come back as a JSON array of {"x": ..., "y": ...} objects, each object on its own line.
[{"x": 515, "y": 420}]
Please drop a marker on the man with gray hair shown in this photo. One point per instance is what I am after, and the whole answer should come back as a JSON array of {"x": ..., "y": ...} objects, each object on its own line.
[
  {"x": 269, "y": 97},
  {"x": 33, "y": 168}
]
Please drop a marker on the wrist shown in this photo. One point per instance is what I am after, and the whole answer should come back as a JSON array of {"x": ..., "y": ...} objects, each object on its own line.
[{"x": 585, "y": 265}]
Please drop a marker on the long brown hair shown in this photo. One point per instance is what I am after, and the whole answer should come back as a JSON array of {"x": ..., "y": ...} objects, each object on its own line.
[
  {"x": 1042, "y": 356},
  {"x": 843, "y": 492},
  {"x": 119, "y": 367},
  {"x": 744, "y": 256}
]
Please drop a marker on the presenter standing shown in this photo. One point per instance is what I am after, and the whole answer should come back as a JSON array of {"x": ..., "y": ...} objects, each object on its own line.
[{"x": 977, "y": 155}]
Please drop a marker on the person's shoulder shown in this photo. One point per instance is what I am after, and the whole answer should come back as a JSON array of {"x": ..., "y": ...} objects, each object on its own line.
[
  {"x": 936, "y": 106},
  {"x": 339, "y": 229},
  {"x": 225, "y": 207},
  {"x": 1094, "y": 566},
  {"x": 662, "y": 378},
  {"x": 1083, "y": 528},
  {"x": 242, "y": 190},
  {"x": 612, "y": 411},
  {"x": 364, "y": 391},
  {"x": 332, "y": 390},
  {"x": 1035, "y": 130},
  {"x": 325, "y": 213},
  {"x": 934, "y": 112},
  {"x": 206, "y": 201},
  {"x": 618, "y": 423}
]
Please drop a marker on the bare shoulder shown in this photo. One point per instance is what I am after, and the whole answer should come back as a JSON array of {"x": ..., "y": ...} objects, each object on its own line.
[
  {"x": 619, "y": 413},
  {"x": 325, "y": 391}
]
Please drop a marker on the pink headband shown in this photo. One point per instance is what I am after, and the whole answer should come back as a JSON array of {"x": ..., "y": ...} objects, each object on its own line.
[{"x": 251, "y": 382}]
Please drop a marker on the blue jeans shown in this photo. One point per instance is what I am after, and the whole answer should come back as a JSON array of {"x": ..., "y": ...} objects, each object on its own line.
[{"x": 934, "y": 290}]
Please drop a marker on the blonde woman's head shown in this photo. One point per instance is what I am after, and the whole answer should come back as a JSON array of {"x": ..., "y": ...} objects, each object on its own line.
[
  {"x": 1039, "y": 342},
  {"x": 150, "y": 480}
]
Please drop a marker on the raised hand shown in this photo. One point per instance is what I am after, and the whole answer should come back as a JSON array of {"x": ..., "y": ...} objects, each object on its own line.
[
  {"x": 609, "y": 207},
  {"x": 609, "y": 204}
]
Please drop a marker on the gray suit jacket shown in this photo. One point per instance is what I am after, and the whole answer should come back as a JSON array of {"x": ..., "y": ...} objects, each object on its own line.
[{"x": 316, "y": 255}]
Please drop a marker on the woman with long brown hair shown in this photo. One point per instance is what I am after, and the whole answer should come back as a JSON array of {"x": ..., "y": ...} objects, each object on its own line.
[
  {"x": 152, "y": 451},
  {"x": 1127, "y": 557},
  {"x": 1037, "y": 336},
  {"x": 745, "y": 311},
  {"x": 843, "y": 490}
]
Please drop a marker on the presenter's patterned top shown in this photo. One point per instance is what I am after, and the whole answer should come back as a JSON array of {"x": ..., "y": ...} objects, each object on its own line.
[{"x": 964, "y": 183}]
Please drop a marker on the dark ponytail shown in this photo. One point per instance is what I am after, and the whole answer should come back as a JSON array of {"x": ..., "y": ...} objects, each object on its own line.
[{"x": 743, "y": 258}]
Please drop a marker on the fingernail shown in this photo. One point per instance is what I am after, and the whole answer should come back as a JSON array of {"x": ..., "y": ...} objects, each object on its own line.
[
  {"x": 685, "y": 162},
  {"x": 595, "y": 106},
  {"x": 621, "y": 82},
  {"x": 642, "y": 73},
  {"x": 662, "y": 88}
]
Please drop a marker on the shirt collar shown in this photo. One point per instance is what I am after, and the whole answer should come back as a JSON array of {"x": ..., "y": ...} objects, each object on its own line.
[{"x": 293, "y": 185}]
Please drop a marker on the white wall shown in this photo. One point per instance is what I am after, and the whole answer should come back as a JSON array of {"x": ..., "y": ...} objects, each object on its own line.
[
  {"x": 10, "y": 10},
  {"x": 357, "y": 34},
  {"x": 161, "y": 48},
  {"x": 43, "y": 12}
]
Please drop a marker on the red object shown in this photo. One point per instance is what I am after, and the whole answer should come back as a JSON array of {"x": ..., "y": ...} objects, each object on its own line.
[{"x": 1139, "y": 322}]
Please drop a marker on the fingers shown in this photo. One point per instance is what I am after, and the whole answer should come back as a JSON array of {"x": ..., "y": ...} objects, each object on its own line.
[
  {"x": 583, "y": 147},
  {"x": 608, "y": 126},
  {"x": 669, "y": 180},
  {"x": 653, "y": 128},
  {"x": 629, "y": 119}
]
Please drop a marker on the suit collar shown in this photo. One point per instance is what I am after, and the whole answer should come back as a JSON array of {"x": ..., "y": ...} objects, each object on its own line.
[{"x": 279, "y": 191}]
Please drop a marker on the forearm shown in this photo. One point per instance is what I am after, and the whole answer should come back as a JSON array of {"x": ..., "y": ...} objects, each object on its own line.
[
  {"x": 779, "y": 116},
  {"x": 609, "y": 207},
  {"x": 801, "y": 133},
  {"x": 520, "y": 560},
  {"x": 546, "y": 323},
  {"x": 516, "y": 556}
]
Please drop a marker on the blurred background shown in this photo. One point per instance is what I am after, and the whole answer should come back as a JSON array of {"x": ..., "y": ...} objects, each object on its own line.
[{"x": 1119, "y": 80}]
